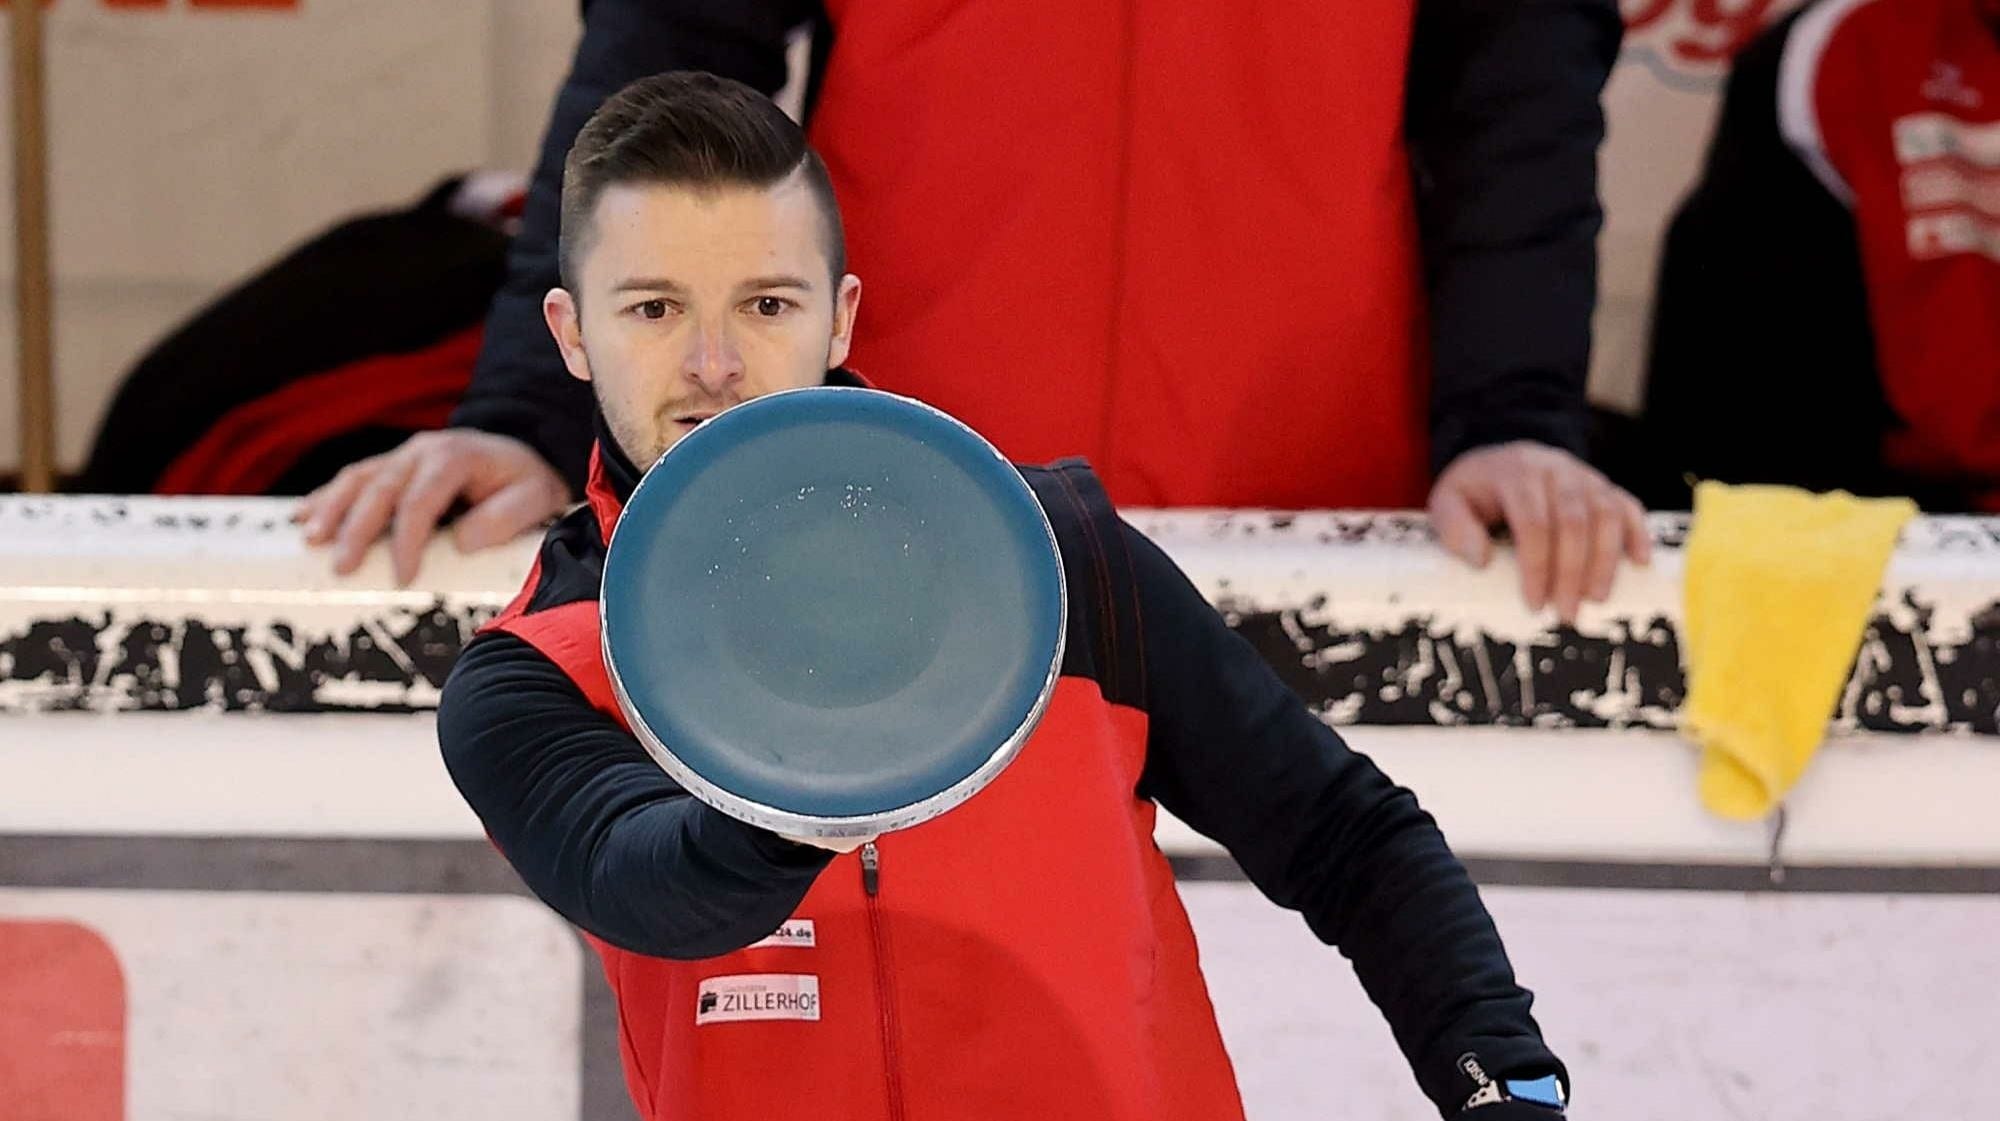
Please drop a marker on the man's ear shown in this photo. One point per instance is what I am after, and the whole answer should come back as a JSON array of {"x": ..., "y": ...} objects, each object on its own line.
[
  {"x": 565, "y": 322},
  {"x": 846, "y": 307}
]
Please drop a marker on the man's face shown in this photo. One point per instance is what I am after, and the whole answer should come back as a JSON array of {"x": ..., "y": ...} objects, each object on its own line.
[{"x": 691, "y": 302}]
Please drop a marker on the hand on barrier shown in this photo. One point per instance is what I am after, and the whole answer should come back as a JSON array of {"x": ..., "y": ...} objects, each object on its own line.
[
  {"x": 506, "y": 484},
  {"x": 833, "y": 844},
  {"x": 1571, "y": 526}
]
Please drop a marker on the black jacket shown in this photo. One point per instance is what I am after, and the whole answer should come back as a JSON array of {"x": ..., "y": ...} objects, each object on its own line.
[{"x": 1759, "y": 311}]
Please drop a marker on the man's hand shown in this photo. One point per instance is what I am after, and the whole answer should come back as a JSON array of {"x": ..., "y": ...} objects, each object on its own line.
[
  {"x": 510, "y": 489},
  {"x": 831, "y": 844},
  {"x": 1570, "y": 525}
]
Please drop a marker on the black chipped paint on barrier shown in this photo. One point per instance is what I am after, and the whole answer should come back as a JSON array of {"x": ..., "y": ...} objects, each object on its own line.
[
  {"x": 1420, "y": 672},
  {"x": 111, "y": 663},
  {"x": 1424, "y": 672}
]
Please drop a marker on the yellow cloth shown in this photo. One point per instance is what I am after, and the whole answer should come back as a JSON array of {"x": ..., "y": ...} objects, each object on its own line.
[{"x": 1779, "y": 587}]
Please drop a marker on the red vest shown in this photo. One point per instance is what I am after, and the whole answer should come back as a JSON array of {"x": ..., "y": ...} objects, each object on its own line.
[
  {"x": 1024, "y": 956},
  {"x": 1182, "y": 233},
  {"x": 1897, "y": 106}
]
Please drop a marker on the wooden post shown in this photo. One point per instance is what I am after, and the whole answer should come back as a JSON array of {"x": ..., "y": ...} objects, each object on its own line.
[{"x": 32, "y": 303}]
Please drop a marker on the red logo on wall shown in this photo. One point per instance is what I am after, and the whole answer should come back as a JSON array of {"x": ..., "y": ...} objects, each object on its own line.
[
  {"x": 1688, "y": 43},
  {"x": 62, "y": 1024}
]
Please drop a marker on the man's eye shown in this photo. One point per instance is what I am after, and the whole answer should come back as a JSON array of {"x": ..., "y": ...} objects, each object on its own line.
[
  {"x": 652, "y": 309},
  {"x": 771, "y": 306}
]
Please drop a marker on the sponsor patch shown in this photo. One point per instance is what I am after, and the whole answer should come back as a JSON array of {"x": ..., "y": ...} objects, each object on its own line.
[
  {"x": 796, "y": 934},
  {"x": 757, "y": 996}
]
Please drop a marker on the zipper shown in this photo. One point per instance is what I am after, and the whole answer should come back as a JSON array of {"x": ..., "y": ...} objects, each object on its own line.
[{"x": 871, "y": 885}]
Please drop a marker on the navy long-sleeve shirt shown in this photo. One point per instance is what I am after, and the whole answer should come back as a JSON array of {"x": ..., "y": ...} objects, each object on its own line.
[{"x": 606, "y": 838}]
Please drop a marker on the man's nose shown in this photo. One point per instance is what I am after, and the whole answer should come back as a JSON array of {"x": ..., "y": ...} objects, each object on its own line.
[{"x": 714, "y": 363}]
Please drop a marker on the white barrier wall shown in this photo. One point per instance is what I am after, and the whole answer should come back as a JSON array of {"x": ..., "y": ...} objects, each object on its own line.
[
  {"x": 235, "y": 881},
  {"x": 155, "y": 607},
  {"x": 334, "y": 1005},
  {"x": 193, "y": 142}
]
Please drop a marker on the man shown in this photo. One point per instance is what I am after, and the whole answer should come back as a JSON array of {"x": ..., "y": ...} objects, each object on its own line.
[
  {"x": 1026, "y": 954},
  {"x": 1126, "y": 235}
]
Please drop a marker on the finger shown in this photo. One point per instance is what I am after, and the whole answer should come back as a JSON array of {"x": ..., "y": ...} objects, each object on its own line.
[
  {"x": 831, "y": 844},
  {"x": 1608, "y": 534},
  {"x": 511, "y": 511},
  {"x": 326, "y": 507},
  {"x": 425, "y": 498},
  {"x": 369, "y": 516},
  {"x": 1461, "y": 531},
  {"x": 1638, "y": 535},
  {"x": 1570, "y": 509},
  {"x": 1525, "y": 505}
]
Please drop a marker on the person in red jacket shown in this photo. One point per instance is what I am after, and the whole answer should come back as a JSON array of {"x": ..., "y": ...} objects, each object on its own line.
[
  {"x": 1828, "y": 312},
  {"x": 1130, "y": 233},
  {"x": 1026, "y": 954}
]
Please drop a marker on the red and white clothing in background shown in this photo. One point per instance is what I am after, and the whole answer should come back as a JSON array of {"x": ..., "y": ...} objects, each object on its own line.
[{"x": 1828, "y": 308}]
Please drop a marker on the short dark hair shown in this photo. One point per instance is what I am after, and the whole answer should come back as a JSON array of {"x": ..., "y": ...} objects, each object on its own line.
[{"x": 687, "y": 128}]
